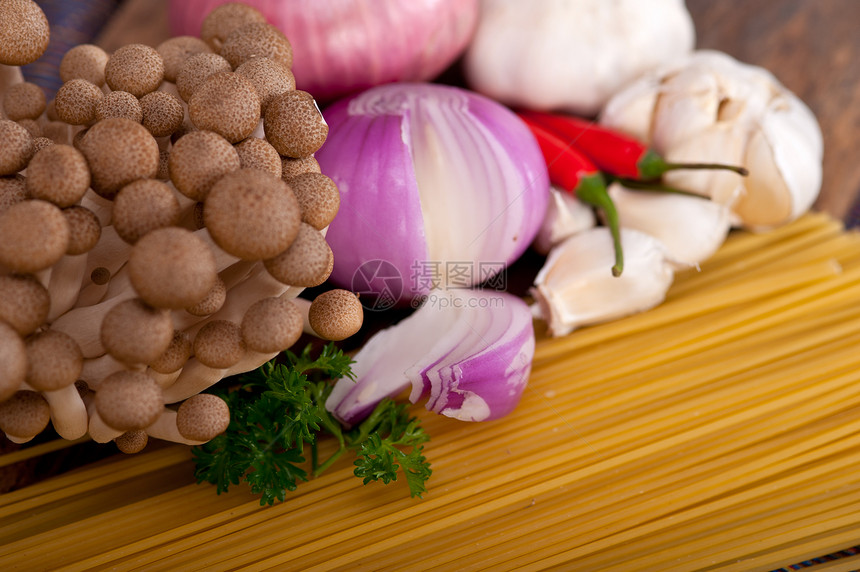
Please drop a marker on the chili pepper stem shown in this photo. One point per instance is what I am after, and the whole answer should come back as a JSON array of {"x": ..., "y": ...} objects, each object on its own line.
[
  {"x": 592, "y": 191},
  {"x": 652, "y": 166}
]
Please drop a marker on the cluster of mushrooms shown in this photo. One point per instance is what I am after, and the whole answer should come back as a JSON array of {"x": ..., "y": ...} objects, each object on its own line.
[{"x": 158, "y": 219}]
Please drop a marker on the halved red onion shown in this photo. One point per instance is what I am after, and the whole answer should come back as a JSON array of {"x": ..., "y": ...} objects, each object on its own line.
[{"x": 469, "y": 352}]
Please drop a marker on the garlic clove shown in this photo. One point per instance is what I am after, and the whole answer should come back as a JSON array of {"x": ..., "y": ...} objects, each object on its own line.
[
  {"x": 576, "y": 287},
  {"x": 690, "y": 228},
  {"x": 565, "y": 216}
]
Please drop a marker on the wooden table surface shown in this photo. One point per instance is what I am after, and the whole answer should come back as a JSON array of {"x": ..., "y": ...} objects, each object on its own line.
[{"x": 810, "y": 46}]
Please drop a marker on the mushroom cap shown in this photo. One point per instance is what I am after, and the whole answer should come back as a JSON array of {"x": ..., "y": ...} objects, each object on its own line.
[
  {"x": 76, "y": 101},
  {"x": 24, "y": 100},
  {"x": 227, "y": 104},
  {"x": 33, "y": 128},
  {"x": 34, "y": 235},
  {"x": 251, "y": 214},
  {"x": 256, "y": 153},
  {"x": 119, "y": 104},
  {"x": 176, "y": 355},
  {"x": 198, "y": 160},
  {"x": 119, "y": 151},
  {"x": 174, "y": 52},
  {"x": 163, "y": 173},
  {"x": 293, "y": 167},
  {"x": 196, "y": 69},
  {"x": 58, "y": 174},
  {"x": 13, "y": 190},
  {"x": 222, "y": 20},
  {"x": 17, "y": 147},
  {"x": 318, "y": 197},
  {"x": 54, "y": 360},
  {"x": 40, "y": 143},
  {"x": 271, "y": 325},
  {"x": 163, "y": 113},
  {"x": 84, "y": 61},
  {"x": 24, "y": 32},
  {"x": 84, "y": 229},
  {"x": 100, "y": 275},
  {"x": 24, "y": 303},
  {"x": 132, "y": 442},
  {"x": 13, "y": 361},
  {"x": 218, "y": 344},
  {"x": 212, "y": 302},
  {"x": 294, "y": 124},
  {"x": 336, "y": 314},
  {"x": 307, "y": 262},
  {"x": 268, "y": 77},
  {"x": 203, "y": 416},
  {"x": 135, "y": 333},
  {"x": 135, "y": 68},
  {"x": 129, "y": 400},
  {"x": 143, "y": 206},
  {"x": 25, "y": 414},
  {"x": 256, "y": 40},
  {"x": 172, "y": 268}
]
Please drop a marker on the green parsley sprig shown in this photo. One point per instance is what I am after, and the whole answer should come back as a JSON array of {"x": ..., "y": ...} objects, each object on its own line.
[{"x": 279, "y": 408}]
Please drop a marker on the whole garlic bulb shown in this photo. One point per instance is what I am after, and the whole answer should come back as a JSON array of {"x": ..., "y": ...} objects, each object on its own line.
[
  {"x": 572, "y": 55},
  {"x": 711, "y": 108}
]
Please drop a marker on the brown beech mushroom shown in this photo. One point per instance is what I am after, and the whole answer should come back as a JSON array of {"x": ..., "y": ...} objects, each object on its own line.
[
  {"x": 336, "y": 314},
  {"x": 196, "y": 69},
  {"x": 218, "y": 344},
  {"x": 271, "y": 325},
  {"x": 143, "y": 206},
  {"x": 256, "y": 153},
  {"x": 129, "y": 400},
  {"x": 224, "y": 19},
  {"x": 318, "y": 197},
  {"x": 24, "y": 303},
  {"x": 119, "y": 104},
  {"x": 178, "y": 352},
  {"x": 163, "y": 113},
  {"x": 17, "y": 147},
  {"x": 132, "y": 442},
  {"x": 13, "y": 190},
  {"x": 33, "y": 128},
  {"x": 307, "y": 262},
  {"x": 24, "y": 100},
  {"x": 118, "y": 152},
  {"x": 58, "y": 174},
  {"x": 212, "y": 302},
  {"x": 76, "y": 101},
  {"x": 227, "y": 104},
  {"x": 135, "y": 333},
  {"x": 85, "y": 61},
  {"x": 34, "y": 235},
  {"x": 294, "y": 124},
  {"x": 24, "y": 415},
  {"x": 174, "y": 52},
  {"x": 24, "y": 32},
  {"x": 251, "y": 214},
  {"x": 197, "y": 160},
  {"x": 257, "y": 40},
  {"x": 202, "y": 417},
  {"x": 268, "y": 77},
  {"x": 40, "y": 143},
  {"x": 292, "y": 167},
  {"x": 84, "y": 229},
  {"x": 13, "y": 361},
  {"x": 172, "y": 268},
  {"x": 135, "y": 68}
]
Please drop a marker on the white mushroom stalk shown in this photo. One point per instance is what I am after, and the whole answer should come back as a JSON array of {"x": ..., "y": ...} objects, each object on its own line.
[
  {"x": 712, "y": 108},
  {"x": 135, "y": 254}
]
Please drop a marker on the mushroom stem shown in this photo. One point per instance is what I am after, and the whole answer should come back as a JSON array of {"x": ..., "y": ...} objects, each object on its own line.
[
  {"x": 165, "y": 380},
  {"x": 165, "y": 429},
  {"x": 97, "y": 368},
  {"x": 68, "y": 412},
  {"x": 304, "y": 307},
  {"x": 196, "y": 377},
  {"x": 65, "y": 284},
  {"x": 111, "y": 252},
  {"x": 84, "y": 324},
  {"x": 99, "y": 430}
]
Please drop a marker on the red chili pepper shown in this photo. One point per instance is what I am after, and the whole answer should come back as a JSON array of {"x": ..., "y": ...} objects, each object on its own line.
[
  {"x": 613, "y": 152},
  {"x": 574, "y": 172}
]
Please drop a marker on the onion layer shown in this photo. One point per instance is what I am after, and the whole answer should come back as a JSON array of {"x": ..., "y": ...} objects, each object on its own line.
[{"x": 468, "y": 351}]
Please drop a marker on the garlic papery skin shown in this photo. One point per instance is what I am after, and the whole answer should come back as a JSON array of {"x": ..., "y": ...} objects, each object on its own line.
[
  {"x": 712, "y": 108},
  {"x": 576, "y": 287},
  {"x": 690, "y": 228},
  {"x": 572, "y": 56},
  {"x": 469, "y": 352},
  {"x": 565, "y": 216}
]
